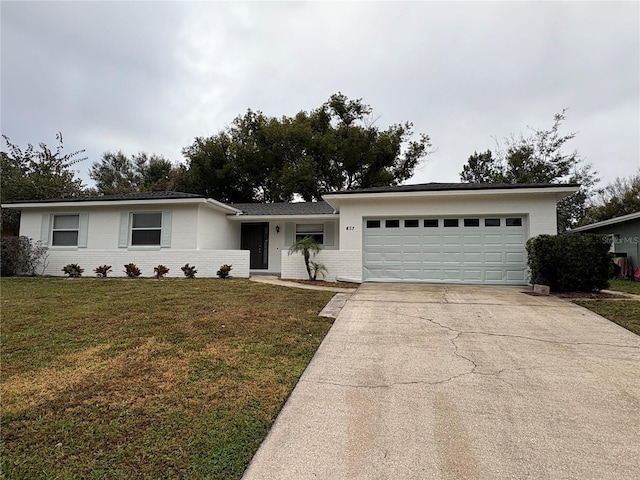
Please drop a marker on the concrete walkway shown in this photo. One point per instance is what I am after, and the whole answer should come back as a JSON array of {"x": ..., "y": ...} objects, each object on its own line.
[
  {"x": 272, "y": 279},
  {"x": 453, "y": 382}
]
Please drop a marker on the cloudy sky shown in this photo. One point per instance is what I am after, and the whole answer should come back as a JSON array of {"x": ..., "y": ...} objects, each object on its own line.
[{"x": 151, "y": 76}]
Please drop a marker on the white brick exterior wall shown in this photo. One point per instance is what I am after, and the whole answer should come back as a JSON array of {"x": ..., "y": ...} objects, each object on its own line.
[
  {"x": 343, "y": 264},
  {"x": 207, "y": 262}
]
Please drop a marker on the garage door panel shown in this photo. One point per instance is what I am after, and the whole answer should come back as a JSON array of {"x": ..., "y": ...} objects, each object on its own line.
[
  {"x": 514, "y": 239},
  {"x": 432, "y": 239},
  {"x": 412, "y": 240},
  {"x": 472, "y": 240},
  {"x": 451, "y": 239},
  {"x": 514, "y": 257},
  {"x": 392, "y": 257},
  {"x": 472, "y": 275},
  {"x": 392, "y": 241},
  {"x": 516, "y": 275},
  {"x": 493, "y": 275},
  {"x": 471, "y": 254},
  {"x": 493, "y": 257},
  {"x": 493, "y": 239},
  {"x": 451, "y": 257},
  {"x": 475, "y": 257},
  {"x": 452, "y": 274},
  {"x": 432, "y": 257},
  {"x": 372, "y": 240}
]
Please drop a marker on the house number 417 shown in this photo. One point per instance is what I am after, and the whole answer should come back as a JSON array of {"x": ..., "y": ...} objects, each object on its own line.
[{"x": 350, "y": 228}]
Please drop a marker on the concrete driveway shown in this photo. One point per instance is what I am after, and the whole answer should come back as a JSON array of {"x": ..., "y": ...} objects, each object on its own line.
[{"x": 453, "y": 382}]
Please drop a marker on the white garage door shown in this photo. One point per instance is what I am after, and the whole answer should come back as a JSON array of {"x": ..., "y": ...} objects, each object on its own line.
[{"x": 487, "y": 249}]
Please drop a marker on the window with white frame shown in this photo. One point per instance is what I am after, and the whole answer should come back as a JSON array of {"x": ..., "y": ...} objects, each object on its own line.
[
  {"x": 65, "y": 230},
  {"x": 146, "y": 228},
  {"x": 315, "y": 231}
]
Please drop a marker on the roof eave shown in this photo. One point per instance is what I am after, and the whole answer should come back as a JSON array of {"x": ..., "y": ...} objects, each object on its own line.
[
  {"x": 110, "y": 203},
  {"x": 606, "y": 223},
  {"x": 263, "y": 218}
]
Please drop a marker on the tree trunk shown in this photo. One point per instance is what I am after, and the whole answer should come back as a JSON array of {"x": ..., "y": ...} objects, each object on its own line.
[{"x": 306, "y": 263}]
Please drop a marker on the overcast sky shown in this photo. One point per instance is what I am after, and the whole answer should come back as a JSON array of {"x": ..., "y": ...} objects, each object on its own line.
[{"x": 151, "y": 76}]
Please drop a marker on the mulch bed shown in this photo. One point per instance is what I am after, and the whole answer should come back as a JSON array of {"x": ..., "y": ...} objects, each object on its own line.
[{"x": 322, "y": 283}]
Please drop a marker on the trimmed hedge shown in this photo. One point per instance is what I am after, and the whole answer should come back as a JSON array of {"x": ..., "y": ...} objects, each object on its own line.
[{"x": 570, "y": 262}]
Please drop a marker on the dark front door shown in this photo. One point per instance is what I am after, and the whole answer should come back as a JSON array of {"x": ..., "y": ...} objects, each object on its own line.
[{"x": 255, "y": 238}]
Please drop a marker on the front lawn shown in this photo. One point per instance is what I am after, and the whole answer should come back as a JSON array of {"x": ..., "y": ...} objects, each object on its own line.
[
  {"x": 625, "y": 313},
  {"x": 626, "y": 286},
  {"x": 121, "y": 379}
]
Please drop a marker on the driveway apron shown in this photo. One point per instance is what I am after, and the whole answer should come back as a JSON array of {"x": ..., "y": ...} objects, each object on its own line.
[{"x": 457, "y": 382}]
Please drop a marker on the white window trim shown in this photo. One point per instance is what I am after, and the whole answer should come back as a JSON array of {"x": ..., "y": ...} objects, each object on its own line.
[
  {"x": 49, "y": 222},
  {"x": 126, "y": 230},
  {"x": 305, "y": 234}
]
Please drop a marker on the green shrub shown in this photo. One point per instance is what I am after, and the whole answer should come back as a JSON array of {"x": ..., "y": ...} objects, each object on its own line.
[
  {"x": 160, "y": 271},
  {"x": 22, "y": 256},
  {"x": 73, "y": 270},
  {"x": 317, "y": 269},
  {"x": 102, "y": 271},
  {"x": 570, "y": 262},
  {"x": 132, "y": 270},
  {"x": 224, "y": 271},
  {"x": 189, "y": 272}
]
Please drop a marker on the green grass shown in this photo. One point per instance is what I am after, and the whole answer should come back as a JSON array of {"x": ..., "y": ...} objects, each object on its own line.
[
  {"x": 626, "y": 286},
  {"x": 147, "y": 379},
  {"x": 625, "y": 313}
]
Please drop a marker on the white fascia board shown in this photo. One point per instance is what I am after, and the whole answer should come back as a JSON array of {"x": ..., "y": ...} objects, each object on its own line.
[
  {"x": 221, "y": 206},
  {"x": 558, "y": 192},
  {"x": 281, "y": 218},
  {"x": 605, "y": 223},
  {"x": 120, "y": 203}
]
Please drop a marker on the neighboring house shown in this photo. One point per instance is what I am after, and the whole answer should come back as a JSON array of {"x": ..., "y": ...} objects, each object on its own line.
[
  {"x": 434, "y": 232},
  {"x": 625, "y": 234}
]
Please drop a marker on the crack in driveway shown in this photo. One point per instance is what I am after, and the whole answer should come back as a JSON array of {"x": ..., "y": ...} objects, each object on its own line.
[
  {"x": 456, "y": 351},
  {"x": 508, "y": 335}
]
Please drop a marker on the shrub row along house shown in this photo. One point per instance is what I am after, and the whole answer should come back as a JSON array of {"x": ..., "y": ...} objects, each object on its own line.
[{"x": 433, "y": 232}]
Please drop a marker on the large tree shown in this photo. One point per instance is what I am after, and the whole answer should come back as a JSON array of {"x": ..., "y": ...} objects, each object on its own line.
[
  {"x": 539, "y": 157},
  {"x": 621, "y": 197},
  {"x": 36, "y": 173},
  {"x": 261, "y": 158},
  {"x": 117, "y": 173}
]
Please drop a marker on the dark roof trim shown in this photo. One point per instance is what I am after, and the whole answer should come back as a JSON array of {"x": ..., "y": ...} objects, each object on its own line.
[
  {"x": 439, "y": 187},
  {"x": 115, "y": 198}
]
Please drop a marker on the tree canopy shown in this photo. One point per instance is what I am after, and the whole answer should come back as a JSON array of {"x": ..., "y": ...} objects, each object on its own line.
[
  {"x": 36, "y": 173},
  {"x": 116, "y": 173},
  {"x": 537, "y": 158},
  {"x": 334, "y": 147},
  {"x": 621, "y": 197}
]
